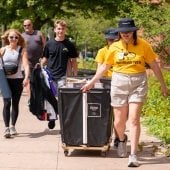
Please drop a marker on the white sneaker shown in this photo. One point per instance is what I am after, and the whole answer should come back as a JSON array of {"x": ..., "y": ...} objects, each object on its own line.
[
  {"x": 122, "y": 148},
  {"x": 7, "y": 133},
  {"x": 133, "y": 162},
  {"x": 13, "y": 131}
]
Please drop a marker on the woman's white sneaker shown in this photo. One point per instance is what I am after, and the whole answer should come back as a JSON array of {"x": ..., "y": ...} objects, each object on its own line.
[
  {"x": 13, "y": 131},
  {"x": 133, "y": 162},
  {"x": 7, "y": 133}
]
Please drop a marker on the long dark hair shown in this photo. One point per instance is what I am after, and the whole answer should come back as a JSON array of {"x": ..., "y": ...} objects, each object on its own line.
[{"x": 134, "y": 37}]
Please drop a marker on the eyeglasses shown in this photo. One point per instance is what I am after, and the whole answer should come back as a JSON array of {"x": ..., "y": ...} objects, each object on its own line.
[
  {"x": 27, "y": 25},
  {"x": 13, "y": 37}
]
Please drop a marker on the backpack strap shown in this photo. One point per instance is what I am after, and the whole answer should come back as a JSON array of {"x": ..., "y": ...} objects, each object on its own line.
[
  {"x": 19, "y": 55},
  {"x": 20, "y": 51}
]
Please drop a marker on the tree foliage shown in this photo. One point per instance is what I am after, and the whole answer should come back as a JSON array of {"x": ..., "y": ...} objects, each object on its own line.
[
  {"x": 87, "y": 19},
  {"x": 88, "y": 32},
  {"x": 43, "y": 11}
]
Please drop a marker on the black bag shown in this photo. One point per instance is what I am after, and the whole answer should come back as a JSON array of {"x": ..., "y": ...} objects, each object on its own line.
[{"x": 12, "y": 68}]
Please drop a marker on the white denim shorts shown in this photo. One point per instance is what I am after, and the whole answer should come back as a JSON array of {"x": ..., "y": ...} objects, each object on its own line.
[{"x": 128, "y": 88}]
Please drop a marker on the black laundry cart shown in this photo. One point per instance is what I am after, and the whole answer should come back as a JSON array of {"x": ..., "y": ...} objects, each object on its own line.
[{"x": 85, "y": 119}]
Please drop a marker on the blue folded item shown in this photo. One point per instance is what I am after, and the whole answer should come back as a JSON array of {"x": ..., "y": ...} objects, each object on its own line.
[
  {"x": 4, "y": 87},
  {"x": 51, "y": 82}
]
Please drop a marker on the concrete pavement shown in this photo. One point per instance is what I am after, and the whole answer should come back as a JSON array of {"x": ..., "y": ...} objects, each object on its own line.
[{"x": 38, "y": 148}]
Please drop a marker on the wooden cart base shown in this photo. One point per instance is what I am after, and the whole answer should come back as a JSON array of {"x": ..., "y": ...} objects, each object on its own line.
[{"x": 104, "y": 149}]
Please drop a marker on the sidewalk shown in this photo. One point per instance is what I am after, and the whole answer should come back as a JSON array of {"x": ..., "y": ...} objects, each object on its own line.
[{"x": 38, "y": 148}]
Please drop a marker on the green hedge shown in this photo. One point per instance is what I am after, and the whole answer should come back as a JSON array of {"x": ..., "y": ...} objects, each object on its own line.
[{"x": 156, "y": 111}]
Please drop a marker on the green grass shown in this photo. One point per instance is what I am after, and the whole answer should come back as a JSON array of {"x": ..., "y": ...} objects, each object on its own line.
[
  {"x": 87, "y": 63},
  {"x": 156, "y": 111}
]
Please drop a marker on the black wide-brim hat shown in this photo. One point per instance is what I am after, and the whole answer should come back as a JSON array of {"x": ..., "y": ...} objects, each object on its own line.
[
  {"x": 111, "y": 33},
  {"x": 127, "y": 25}
]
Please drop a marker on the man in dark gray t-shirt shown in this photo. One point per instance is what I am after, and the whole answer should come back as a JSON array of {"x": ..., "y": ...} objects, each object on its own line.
[{"x": 35, "y": 42}]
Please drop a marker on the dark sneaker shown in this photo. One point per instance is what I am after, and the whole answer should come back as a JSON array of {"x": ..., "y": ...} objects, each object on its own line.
[
  {"x": 13, "y": 131},
  {"x": 122, "y": 148},
  {"x": 116, "y": 142},
  {"x": 51, "y": 124},
  {"x": 133, "y": 162},
  {"x": 7, "y": 133}
]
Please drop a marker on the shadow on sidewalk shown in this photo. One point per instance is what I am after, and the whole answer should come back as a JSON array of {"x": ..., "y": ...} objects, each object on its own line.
[
  {"x": 154, "y": 160},
  {"x": 152, "y": 153},
  {"x": 145, "y": 156},
  {"x": 46, "y": 132}
]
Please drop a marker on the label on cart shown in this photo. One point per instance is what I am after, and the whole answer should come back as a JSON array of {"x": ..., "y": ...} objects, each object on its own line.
[{"x": 94, "y": 110}]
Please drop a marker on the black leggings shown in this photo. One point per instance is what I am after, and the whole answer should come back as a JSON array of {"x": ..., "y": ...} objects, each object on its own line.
[{"x": 16, "y": 90}]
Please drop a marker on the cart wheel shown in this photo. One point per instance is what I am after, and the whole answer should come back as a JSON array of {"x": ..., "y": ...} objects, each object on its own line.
[
  {"x": 66, "y": 153},
  {"x": 103, "y": 153}
]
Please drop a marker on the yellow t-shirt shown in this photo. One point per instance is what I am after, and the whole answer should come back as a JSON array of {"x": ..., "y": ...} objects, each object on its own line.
[
  {"x": 100, "y": 58},
  {"x": 129, "y": 58}
]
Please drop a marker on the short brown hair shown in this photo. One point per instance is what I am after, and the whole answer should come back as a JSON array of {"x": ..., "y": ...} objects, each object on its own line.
[{"x": 60, "y": 22}]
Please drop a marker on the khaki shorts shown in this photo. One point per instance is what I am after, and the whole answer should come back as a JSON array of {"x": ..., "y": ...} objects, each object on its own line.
[{"x": 128, "y": 88}]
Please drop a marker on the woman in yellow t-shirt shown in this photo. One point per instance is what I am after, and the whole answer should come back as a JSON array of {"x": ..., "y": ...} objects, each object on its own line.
[
  {"x": 111, "y": 35},
  {"x": 129, "y": 83}
]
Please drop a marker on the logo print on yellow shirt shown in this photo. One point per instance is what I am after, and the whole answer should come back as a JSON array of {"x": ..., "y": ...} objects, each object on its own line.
[{"x": 126, "y": 55}]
